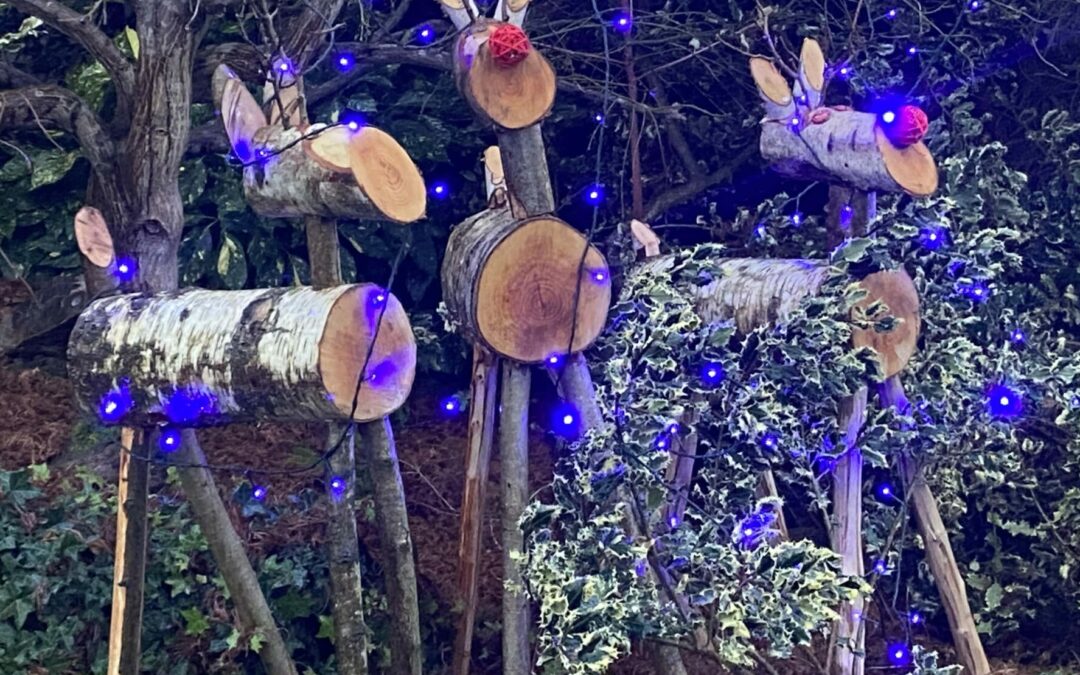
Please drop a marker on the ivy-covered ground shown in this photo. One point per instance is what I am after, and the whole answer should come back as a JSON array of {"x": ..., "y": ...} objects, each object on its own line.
[{"x": 58, "y": 536}]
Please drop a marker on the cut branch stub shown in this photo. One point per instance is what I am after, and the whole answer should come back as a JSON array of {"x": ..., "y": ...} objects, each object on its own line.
[
  {"x": 849, "y": 147},
  {"x": 758, "y": 292},
  {"x": 200, "y": 358},
  {"x": 510, "y": 285},
  {"x": 301, "y": 176},
  {"x": 510, "y": 97}
]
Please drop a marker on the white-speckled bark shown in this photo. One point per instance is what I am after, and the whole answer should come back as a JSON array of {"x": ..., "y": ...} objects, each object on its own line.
[{"x": 250, "y": 353}]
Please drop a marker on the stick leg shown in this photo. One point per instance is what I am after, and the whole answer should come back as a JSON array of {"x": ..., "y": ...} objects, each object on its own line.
[
  {"x": 767, "y": 488},
  {"x": 481, "y": 423},
  {"x": 939, "y": 552},
  {"x": 129, "y": 571},
  {"x": 849, "y": 635},
  {"x": 514, "y": 461}
]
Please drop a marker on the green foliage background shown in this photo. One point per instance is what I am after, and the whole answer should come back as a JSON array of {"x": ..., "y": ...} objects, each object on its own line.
[{"x": 1001, "y": 86}]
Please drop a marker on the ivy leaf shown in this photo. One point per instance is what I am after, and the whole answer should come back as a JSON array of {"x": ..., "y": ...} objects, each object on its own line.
[
  {"x": 231, "y": 264},
  {"x": 50, "y": 167},
  {"x": 993, "y": 596},
  {"x": 195, "y": 622}
]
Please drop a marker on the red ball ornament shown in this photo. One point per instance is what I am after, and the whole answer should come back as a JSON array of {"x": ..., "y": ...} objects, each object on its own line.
[
  {"x": 908, "y": 128},
  {"x": 509, "y": 45}
]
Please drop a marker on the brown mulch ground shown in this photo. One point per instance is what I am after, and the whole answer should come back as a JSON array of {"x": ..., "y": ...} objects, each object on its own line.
[{"x": 37, "y": 418}]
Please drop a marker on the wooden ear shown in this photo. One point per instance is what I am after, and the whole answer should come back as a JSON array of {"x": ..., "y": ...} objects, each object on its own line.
[
  {"x": 645, "y": 238},
  {"x": 811, "y": 73},
  {"x": 240, "y": 112},
  {"x": 512, "y": 11},
  {"x": 92, "y": 235},
  {"x": 773, "y": 88},
  {"x": 460, "y": 15}
]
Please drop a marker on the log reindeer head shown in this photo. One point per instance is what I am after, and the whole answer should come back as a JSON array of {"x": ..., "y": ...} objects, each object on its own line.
[
  {"x": 506, "y": 82},
  {"x": 335, "y": 171},
  {"x": 803, "y": 139}
]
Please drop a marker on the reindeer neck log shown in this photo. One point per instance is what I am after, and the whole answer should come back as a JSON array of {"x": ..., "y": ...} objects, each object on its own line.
[
  {"x": 506, "y": 82},
  {"x": 759, "y": 292},
  {"x": 319, "y": 170},
  {"x": 510, "y": 285},
  {"x": 199, "y": 358}
]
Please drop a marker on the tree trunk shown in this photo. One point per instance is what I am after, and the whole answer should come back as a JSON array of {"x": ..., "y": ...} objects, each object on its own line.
[
  {"x": 939, "y": 553},
  {"x": 342, "y": 544},
  {"x": 380, "y": 457},
  {"x": 514, "y": 465},
  {"x": 198, "y": 358},
  {"x": 231, "y": 559},
  {"x": 485, "y": 378},
  {"x": 511, "y": 285}
]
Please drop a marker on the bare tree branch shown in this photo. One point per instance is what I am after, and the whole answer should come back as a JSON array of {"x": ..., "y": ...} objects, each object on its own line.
[
  {"x": 51, "y": 107},
  {"x": 80, "y": 29},
  {"x": 12, "y": 78},
  {"x": 678, "y": 194}
]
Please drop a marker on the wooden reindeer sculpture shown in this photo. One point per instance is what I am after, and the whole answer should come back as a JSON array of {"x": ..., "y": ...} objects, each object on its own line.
[
  {"x": 157, "y": 364},
  {"x": 856, "y": 151},
  {"x": 321, "y": 173},
  {"x": 524, "y": 287}
]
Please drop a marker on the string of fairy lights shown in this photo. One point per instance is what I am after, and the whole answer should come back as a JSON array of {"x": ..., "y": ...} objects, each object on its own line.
[{"x": 1003, "y": 401}]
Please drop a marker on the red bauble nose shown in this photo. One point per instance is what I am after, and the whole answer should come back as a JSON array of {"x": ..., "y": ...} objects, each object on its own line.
[
  {"x": 907, "y": 127},
  {"x": 509, "y": 45}
]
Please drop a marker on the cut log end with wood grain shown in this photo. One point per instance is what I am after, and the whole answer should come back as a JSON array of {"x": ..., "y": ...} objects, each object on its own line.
[
  {"x": 759, "y": 292},
  {"x": 508, "y": 95},
  {"x": 510, "y": 285},
  {"x": 335, "y": 172},
  {"x": 200, "y": 358}
]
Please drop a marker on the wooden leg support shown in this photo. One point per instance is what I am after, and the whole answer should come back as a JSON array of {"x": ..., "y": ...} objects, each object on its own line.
[
  {"x": 514, "y": 462},
  {"x": 767, "y": 488},
  {"x": 481, "y": 427},
  {"x": 129, "y": 570},
  {"x": 939, "y": 552},
  {"x": 849, "y": 633}
]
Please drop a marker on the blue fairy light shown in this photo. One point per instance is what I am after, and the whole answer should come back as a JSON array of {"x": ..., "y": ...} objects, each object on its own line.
[
  {"x": 770, "y": 441},
  {"x": 885, "y": 492},
  {"x": 663, "y": 442},
  {"x": 450, "y": 406},
  {"x": 258, "y": 493},
  {"x": 797, "y": 218},
  {"x": 974, "y": 5},
  {"x": 673, "y": 521},
  {"x": 915, "y": 618},
  {"x": 594, "y": 195},
  {"x": 598, "y": 118},
  {"x": 760, "y": 231},
  {"x": 338, "y": 485},
  {"x": 880, "y": 567},
  {"x": 554, "y": 360},
  {"x": 345, "y": 62},
  {"x": 440, "y": 190},
  {"x": 712, "y": 374},
  {"x": 565, "y": 420},
  {"x": 844, "y": 72},
  {"x": 899, "y": 654},
  {"x": 1004, "y": 402},
  {"x": 1017, "y": 336},
  {"x": 115, "y": 404},
  {"x": 888, "y": 117},
  {"x": 891, "y": 14},
  {"x": 599, "y": 276},
  {"x": 169, "y": 440},
  {"x": 126, "y": 268},
  {"x": 623, "y": 22},
  {"x": 976, "y": 291},
  {"x": 425, "y": 34},
  {"x": 933, "y": 238},
  {"x": 846, "y": 214},
  {"x": 912, "y": 50}
]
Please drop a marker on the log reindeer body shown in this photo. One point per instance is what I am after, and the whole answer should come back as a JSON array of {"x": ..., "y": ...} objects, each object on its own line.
[{"x": 201, "y": 358}]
